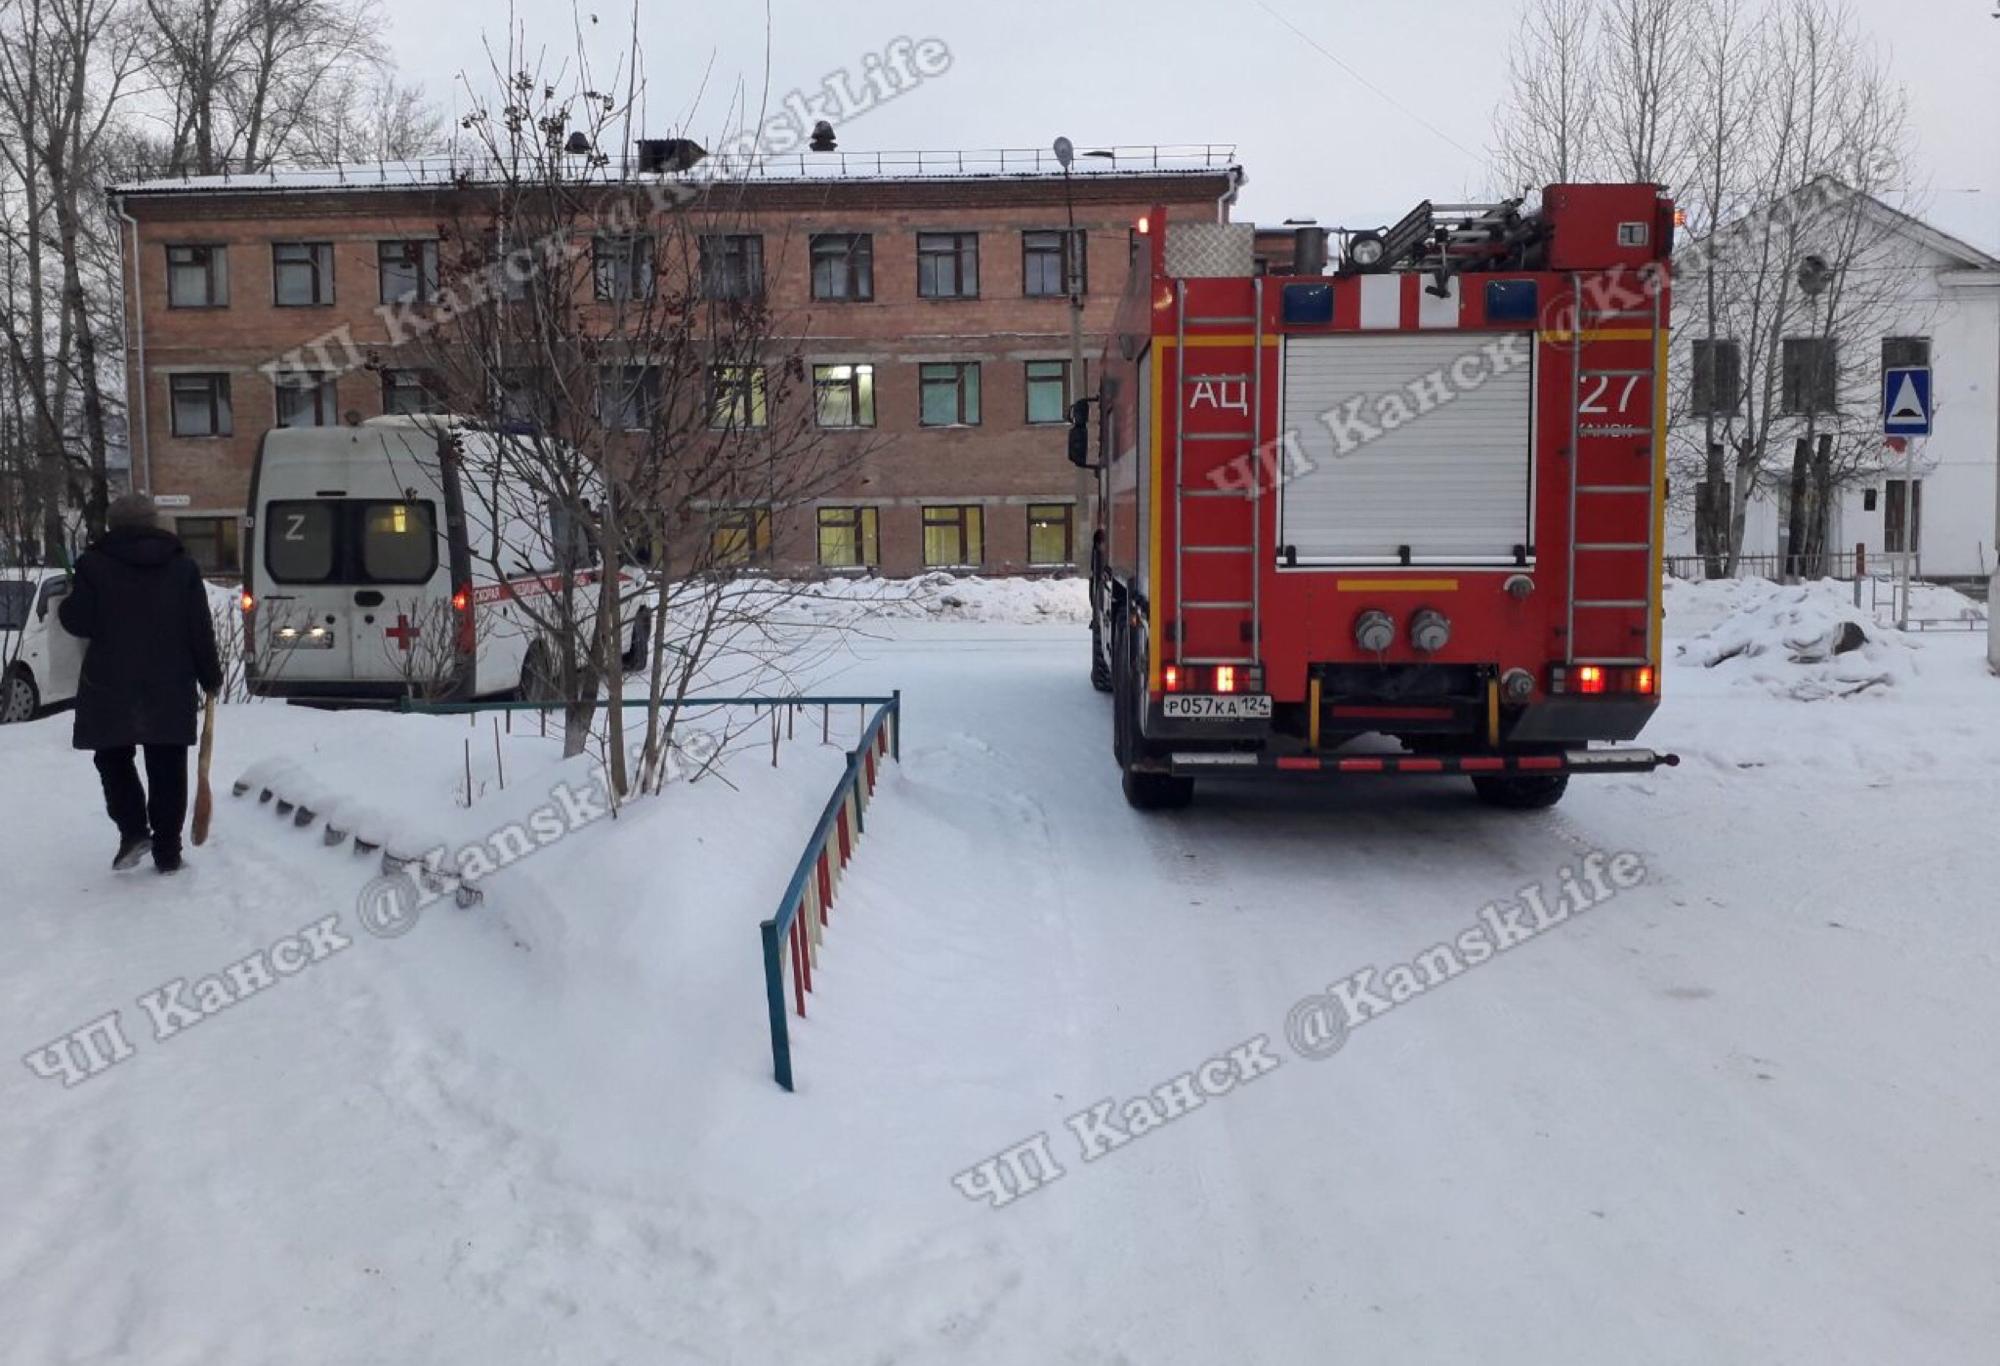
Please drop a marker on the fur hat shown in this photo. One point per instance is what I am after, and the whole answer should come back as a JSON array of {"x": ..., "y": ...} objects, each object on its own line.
[{"x": 131, "y": 510}]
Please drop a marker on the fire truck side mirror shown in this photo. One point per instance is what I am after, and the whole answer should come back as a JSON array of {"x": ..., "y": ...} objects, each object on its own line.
[{"x": 1079, "y": 433}]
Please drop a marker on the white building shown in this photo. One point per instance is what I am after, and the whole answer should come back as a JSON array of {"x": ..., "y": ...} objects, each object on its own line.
[{"x": 1939, "y": 298}]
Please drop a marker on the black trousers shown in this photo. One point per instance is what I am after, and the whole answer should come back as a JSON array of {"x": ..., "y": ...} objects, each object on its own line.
[{"x": 159, "y": 808}]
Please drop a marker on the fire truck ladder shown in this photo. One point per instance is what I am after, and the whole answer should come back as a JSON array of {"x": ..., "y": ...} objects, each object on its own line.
[
  {"x": 1588, "y": 502},
  {"x": 1252, "y": 551}
]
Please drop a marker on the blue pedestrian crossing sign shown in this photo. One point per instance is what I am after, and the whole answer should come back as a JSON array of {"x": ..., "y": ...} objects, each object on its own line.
[{"x": 1906, "y": 401}]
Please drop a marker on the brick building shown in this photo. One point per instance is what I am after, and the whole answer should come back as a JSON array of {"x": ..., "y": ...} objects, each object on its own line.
[{"x": 929, "y": 289}]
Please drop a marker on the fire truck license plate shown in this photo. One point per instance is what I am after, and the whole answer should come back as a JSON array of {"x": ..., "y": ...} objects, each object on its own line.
[{"x": 1237, "y": 707}]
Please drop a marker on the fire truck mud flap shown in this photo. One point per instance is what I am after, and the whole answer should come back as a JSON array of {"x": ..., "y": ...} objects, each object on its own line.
[{"x": 1579, "y": 761}]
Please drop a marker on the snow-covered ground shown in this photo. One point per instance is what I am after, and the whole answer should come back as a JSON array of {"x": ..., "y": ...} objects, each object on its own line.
[{"x": 1746, "y": 1110}]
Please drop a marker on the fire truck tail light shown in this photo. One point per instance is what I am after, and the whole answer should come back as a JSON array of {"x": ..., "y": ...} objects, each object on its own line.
[
  {"x": 1597, "y": 680},
  {"x": 1212, "y": 678}
]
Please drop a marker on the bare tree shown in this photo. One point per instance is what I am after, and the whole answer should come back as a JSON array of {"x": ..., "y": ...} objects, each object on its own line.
[
  {"x": 63, "y": 67},
  {"x": 1645, "y": 82},
  {"x": 1791, "y": 292},
  {"x": 613, "y": 330},
  {"x": 1547, "y": 119},
  {"x": 239, "y": 81}
]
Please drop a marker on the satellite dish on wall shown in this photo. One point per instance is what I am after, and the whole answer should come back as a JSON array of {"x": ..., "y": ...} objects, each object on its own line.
[{"x": 1065, "y": 152}]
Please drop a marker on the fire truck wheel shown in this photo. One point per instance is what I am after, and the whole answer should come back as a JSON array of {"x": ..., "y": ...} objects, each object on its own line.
[
  {"x": 1157, "y": 791},
  {"x": 1100, "y": 671},
  {"x": 1522, "y": 794}
]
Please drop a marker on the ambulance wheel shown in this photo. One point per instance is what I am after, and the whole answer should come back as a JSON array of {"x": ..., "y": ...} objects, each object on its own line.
[
  {"x": 538, "y": 676},
  {"x": 1100, "y": 669},
  {"x": 19, "y": 698},
  {"x": 1535, "y": 793},
  {"x": 1157, "y": 791}
]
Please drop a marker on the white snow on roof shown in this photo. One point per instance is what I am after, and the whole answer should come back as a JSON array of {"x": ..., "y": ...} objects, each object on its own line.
[{"x": 1189, "y": 159}]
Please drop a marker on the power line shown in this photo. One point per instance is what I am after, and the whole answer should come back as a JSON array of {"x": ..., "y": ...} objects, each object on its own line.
[{"x": 1380, "y": 93}]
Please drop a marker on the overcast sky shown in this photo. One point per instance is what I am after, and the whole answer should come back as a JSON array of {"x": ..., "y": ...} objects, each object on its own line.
[{"x": 1316, "y": 140}]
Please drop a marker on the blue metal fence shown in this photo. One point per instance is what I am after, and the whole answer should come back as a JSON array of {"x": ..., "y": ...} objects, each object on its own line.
[{"x": 795, "y": 932}]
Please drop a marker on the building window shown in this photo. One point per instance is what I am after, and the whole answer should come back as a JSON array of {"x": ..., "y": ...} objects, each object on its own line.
[
  {"x": 1718, "y": 378},
  {"x": 409, "y": 391},
  {"x": 948, "y": 265},
  {"x": 301, "y": 274},
  {"x": 740, "y": 536},
  {"x": 1048, "y": 391},
  {"x": 212, "y": 542},
  {"x": 950, "y": 394},
  {"x": 1810, "y": 375},
  {"x": 843, "y": 266},
  {"x": 306, "y": 399},
  {"x": 1051, "y": 533},
  {"x": 954, "y": 536},
  {"x": 523, "y": 397},
  {"x": 200, "y": 405},
  {"x": 510, "y": 269},
  {"x": 736, "y": 396},
  {"x": 197, "y": 277},
  {"x": 849, "y": 538},
  {"x": 1903, "y": 517},
  {"x": 1046, "y": 262},
  {"x": 732, "y": 266},
  {"x": 844, "y": 395},
  {"x": 622, "y": 267},
  {"x": 407, "y": 271},
  {"x": 628, "y": 397},
  {"x": 1901, "y": 353}
]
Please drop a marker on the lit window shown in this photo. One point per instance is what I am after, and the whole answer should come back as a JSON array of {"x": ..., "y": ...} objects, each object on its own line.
[
  {"x": 844, "y": 395},
  {"x": 954, "y": 536},
  {"x": 849, "y": 538}
]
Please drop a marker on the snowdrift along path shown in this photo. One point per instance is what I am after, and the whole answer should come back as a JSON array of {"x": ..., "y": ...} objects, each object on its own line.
[{"x": 1741, "y": 1112}]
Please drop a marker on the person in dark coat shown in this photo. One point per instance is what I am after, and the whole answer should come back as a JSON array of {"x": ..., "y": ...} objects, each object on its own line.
[{"x": 139, "y": 602}]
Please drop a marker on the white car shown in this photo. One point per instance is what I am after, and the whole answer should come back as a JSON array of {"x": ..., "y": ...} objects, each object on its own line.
[{"x": 39, "y": 661}]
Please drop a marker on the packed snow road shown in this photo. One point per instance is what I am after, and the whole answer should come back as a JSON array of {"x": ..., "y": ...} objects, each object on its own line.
[{"x": 1737, "y": 1108}]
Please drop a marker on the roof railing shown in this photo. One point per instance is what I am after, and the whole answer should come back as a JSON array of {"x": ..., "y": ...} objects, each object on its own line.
[{"x": 475, "y": 166}]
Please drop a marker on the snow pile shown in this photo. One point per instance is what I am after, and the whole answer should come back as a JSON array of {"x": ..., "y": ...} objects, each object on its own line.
[
  {"x": 1803, "y": 641},
  {"x": 1697, "y": 606},
  {"x": 941, "y": 597}
]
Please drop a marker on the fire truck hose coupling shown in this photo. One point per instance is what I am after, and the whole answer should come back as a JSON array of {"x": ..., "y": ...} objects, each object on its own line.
[
  {"x": 1375, "y": 631},
  {"x": 1430, "y": 631}
]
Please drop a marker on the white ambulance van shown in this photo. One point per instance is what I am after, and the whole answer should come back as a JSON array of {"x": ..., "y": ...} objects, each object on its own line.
[{"x": 399, "y": 558}]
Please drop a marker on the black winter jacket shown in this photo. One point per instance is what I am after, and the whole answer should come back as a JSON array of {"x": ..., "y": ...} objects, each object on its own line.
[{"x": 140, "y": 603}]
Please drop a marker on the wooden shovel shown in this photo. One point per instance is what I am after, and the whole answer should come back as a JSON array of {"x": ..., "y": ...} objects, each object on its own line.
[{"x": 204, "y": 800}]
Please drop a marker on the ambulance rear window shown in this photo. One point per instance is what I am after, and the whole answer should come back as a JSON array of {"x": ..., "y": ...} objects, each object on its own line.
[
  {"x": 303, "y": 543},
  {"x": 351, "y": 540},
  {"x": 398, "y": 543}
]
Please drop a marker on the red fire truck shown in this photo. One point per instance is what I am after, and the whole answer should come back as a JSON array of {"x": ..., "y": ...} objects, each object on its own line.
[{"x": 1417, "y": 496}]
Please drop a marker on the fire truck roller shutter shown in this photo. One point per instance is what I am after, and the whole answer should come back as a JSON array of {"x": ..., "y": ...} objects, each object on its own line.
[{"x": 1422, "y": 440}]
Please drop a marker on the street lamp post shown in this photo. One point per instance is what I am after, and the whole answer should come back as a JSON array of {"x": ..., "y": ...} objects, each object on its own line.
[{"x": 1086, "y": 478}]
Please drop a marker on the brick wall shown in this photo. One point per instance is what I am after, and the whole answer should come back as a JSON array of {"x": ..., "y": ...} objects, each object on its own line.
[{"x": 1003, "y": 464}]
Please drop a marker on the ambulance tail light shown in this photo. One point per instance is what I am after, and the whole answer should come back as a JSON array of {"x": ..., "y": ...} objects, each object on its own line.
[{"x": 461, "y": 610}]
